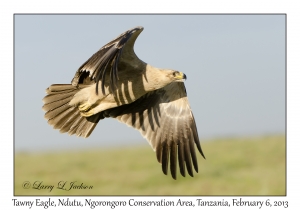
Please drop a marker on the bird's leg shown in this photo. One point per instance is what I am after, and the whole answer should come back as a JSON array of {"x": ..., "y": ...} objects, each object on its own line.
[
  {"x": 85, "y": 106},
  {"x": 89, "y": 107},
  {"x": 87, "y": 113},
  {"x": 88, "y": 100}
]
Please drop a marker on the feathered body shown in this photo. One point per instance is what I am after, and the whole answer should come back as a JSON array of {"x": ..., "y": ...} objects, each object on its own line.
[{"x": 114, "y": 82}]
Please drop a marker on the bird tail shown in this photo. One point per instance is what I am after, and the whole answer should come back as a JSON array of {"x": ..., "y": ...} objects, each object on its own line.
[{"x": 64, "y": 117}]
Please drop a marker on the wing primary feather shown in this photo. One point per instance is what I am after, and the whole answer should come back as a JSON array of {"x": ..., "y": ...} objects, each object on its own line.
[
  {"x": 124, "y": 39},
  {"x": 117, "y": 62},
  {"x": 102, "y": 63},
  {"x": 196, "y": 138},
  {"x": 181, "y": 158},
  {"x": 187, "y": 159},
  {"x": 114, "y": 69},
  {"x": 158, "y": 152},
  {"x": 113, "y": 84},
  {"x": 165, "y": 158},
  {"x": 173, "y": 159},
  {"x": 193, "y": 155},
  {"x": 103, "y": 73}
]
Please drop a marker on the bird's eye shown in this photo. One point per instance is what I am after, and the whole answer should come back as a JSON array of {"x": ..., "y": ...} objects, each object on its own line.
[{"x": 175, "y": 73}]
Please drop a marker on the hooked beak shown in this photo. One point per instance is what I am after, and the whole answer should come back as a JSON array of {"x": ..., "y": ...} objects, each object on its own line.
[{"x": 181, "y": 77}]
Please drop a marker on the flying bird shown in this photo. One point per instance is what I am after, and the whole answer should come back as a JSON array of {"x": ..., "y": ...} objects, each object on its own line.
[{"x": 115, "y": 83}]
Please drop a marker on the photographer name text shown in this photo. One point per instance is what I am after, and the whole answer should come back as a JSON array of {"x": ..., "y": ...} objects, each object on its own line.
[{"x": 61, "y": 185}]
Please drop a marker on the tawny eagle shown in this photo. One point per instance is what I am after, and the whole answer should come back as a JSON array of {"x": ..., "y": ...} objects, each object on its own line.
[{"x": 115, "y": 83}]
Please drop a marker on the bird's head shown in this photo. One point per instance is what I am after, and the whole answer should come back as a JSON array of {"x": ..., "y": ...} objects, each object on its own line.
[
  {"x": 178, "y": 76},
  {"x": 163, "y": 77}
]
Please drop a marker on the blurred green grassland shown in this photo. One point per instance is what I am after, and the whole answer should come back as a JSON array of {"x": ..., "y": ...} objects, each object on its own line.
[{"x": 236, "y": 166}]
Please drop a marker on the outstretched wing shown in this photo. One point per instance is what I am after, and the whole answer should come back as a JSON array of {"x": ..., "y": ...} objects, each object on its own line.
[
  {"x": 165, "y": 119},
  {"x": 105, "y": 61}
]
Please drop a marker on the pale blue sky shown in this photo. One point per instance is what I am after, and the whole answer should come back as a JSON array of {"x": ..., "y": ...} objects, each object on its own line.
[{"x": 235, "y": 65}]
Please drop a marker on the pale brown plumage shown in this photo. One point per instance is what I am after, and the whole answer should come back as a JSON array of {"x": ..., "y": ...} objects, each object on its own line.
[{"x": 114, "y": 82}]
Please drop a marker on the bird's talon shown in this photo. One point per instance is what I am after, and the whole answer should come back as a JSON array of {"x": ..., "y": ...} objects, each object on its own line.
[
  {"x": 84, "y": 107},
  {"x": 88, "y": 113}
]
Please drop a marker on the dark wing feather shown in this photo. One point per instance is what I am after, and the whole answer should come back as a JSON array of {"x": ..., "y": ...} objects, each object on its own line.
[
  {"x": 105, "y": 62},
  {"x": 165, "y": 119}
]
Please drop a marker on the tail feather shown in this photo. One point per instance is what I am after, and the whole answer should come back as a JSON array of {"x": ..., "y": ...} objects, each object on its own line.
[
  {"x": 59, "y": 120},
  {"x": 60, "y": 88},
  {"x": 82, "y": 127},
  {"x": 95, "y": 118},
  {"x": 56, "y": 96},
  {"x": 69, "y": 122},
  {"x": 56, "y": 111},
  {"x": 57, "y": 103},
  {"x": 64, "y": 117},
  {"x": 80, "y": 124}
]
